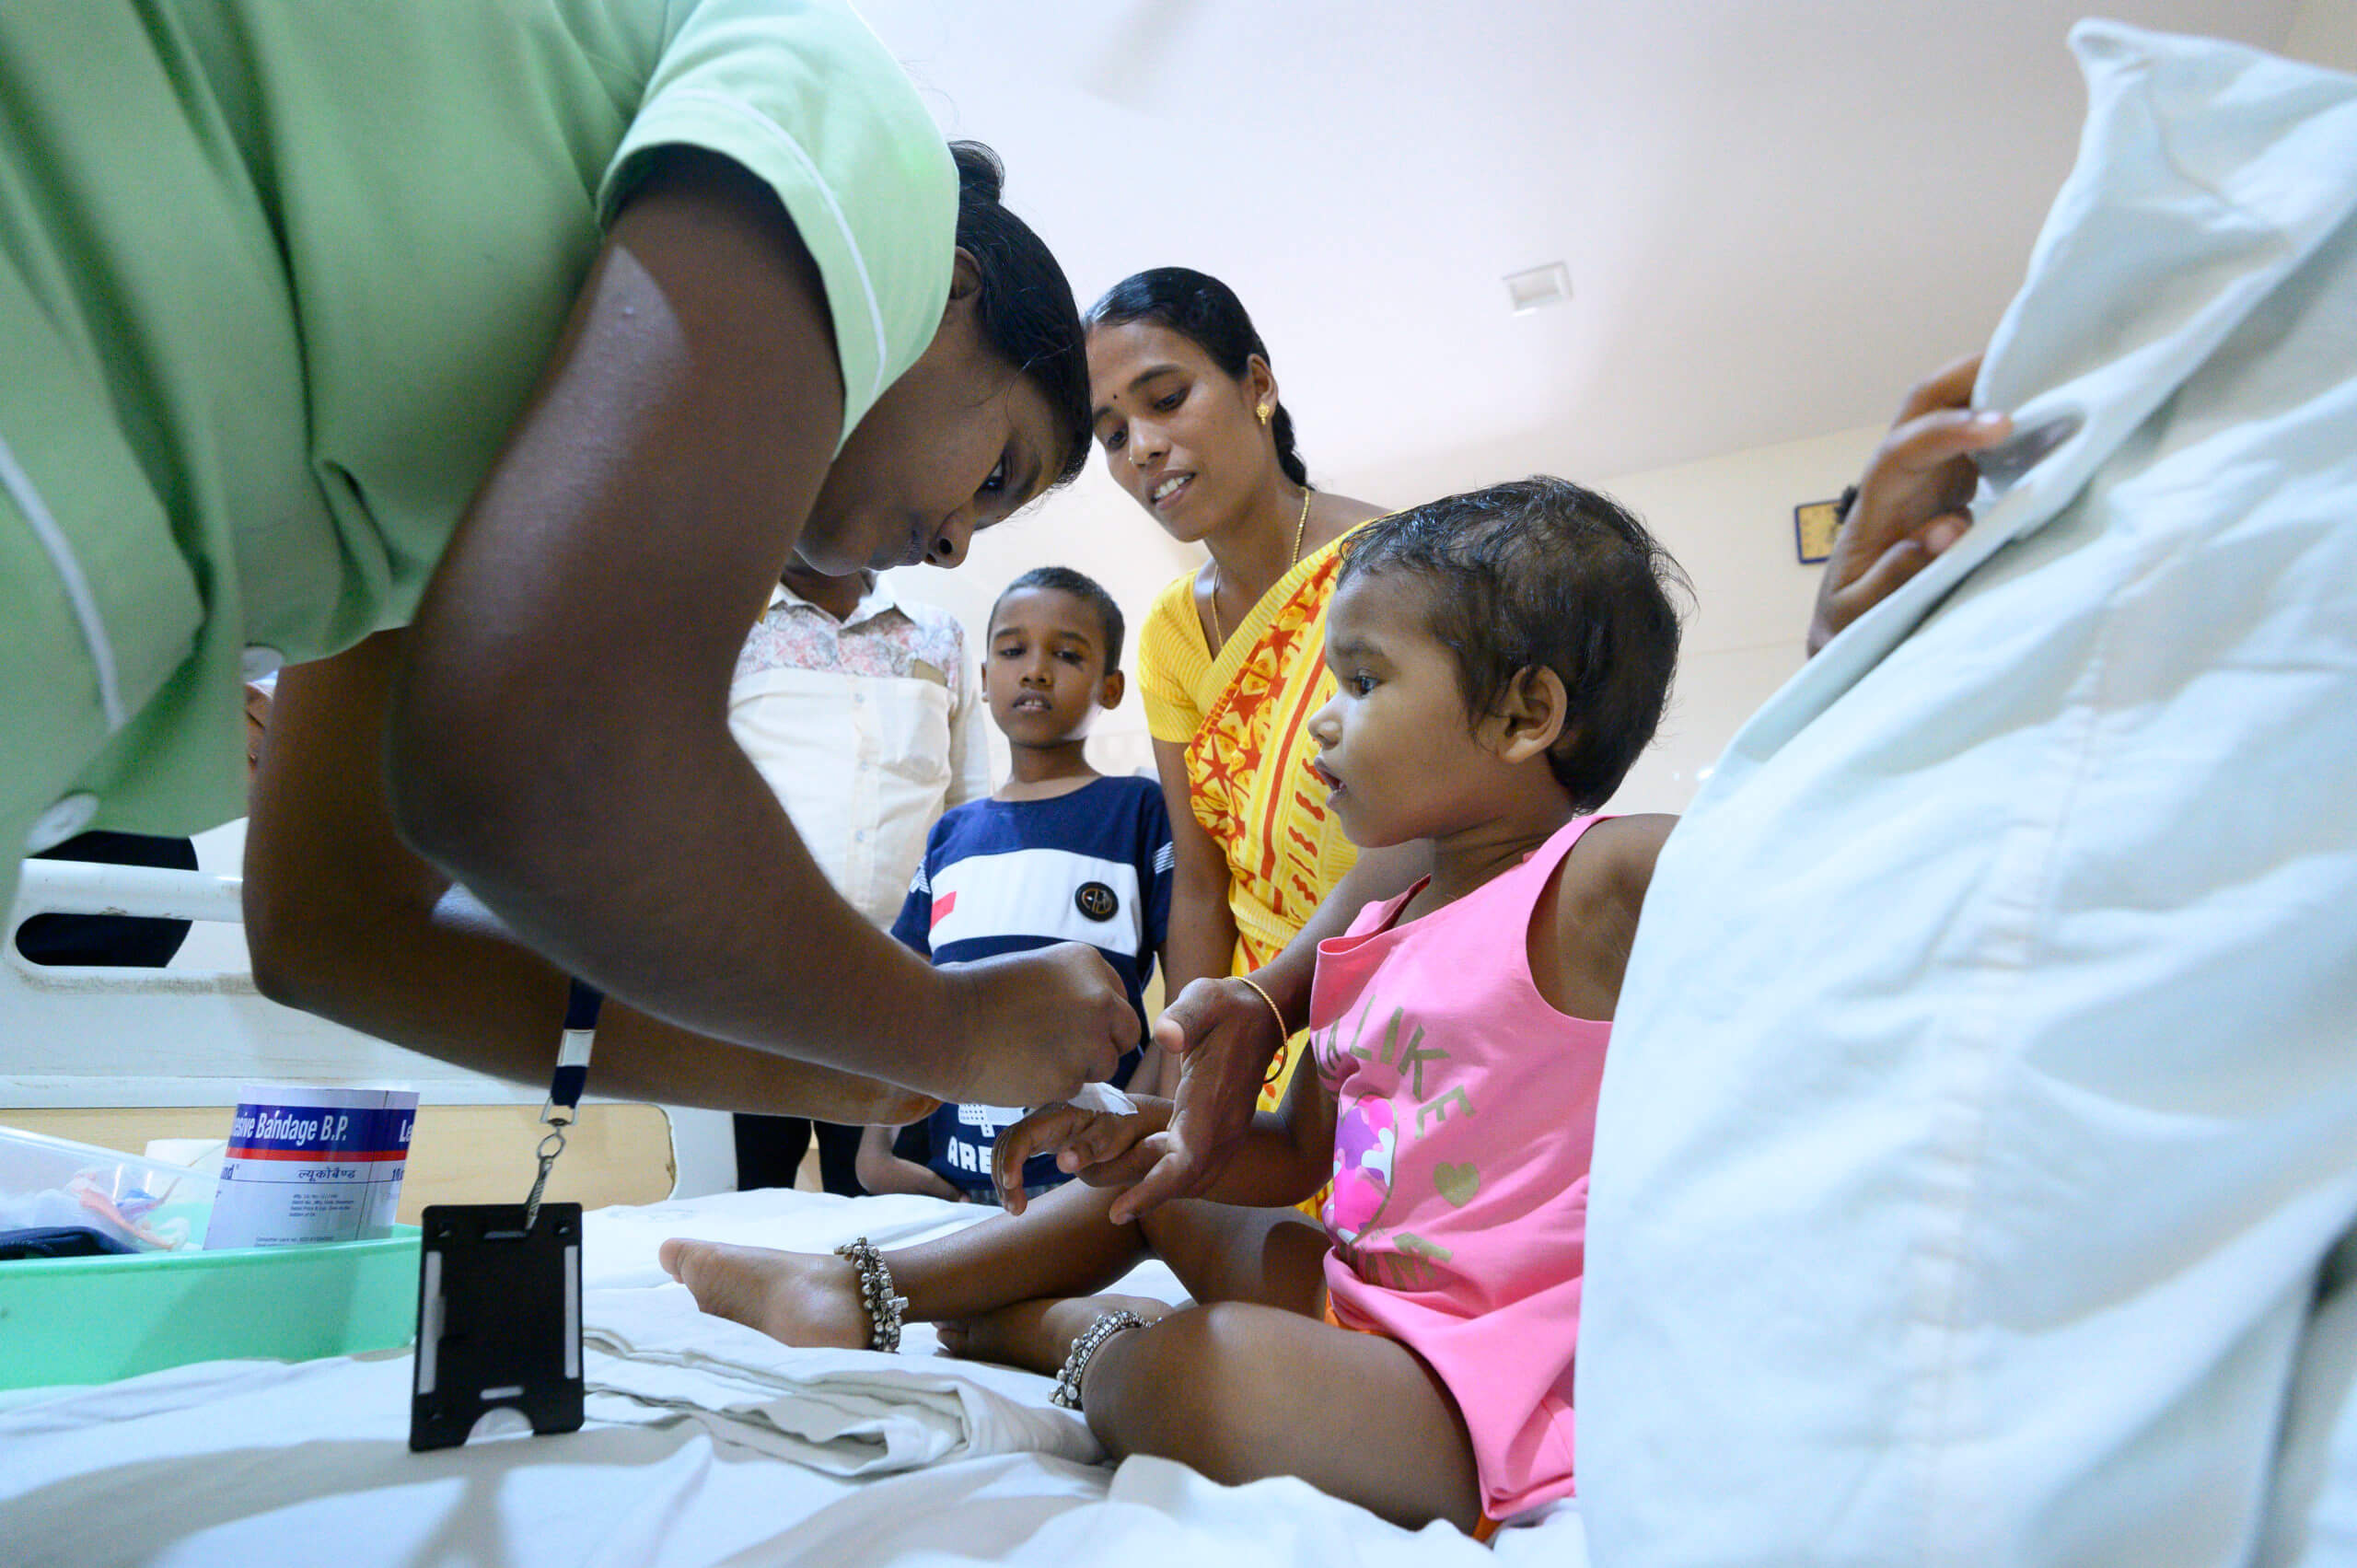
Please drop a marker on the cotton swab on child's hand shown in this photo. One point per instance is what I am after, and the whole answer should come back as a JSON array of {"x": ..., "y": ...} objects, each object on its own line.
[{"x": 1103, "y": 1098}]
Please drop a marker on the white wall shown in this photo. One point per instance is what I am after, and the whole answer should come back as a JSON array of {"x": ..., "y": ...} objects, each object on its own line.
[
  {"x": 1729, "y": 522},
  {"x": 2325, "y": 32},
  {"x": 1092, "y": 528}
]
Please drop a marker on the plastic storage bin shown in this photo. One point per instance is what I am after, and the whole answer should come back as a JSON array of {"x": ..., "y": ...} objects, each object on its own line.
[
  {"x": 138, "y": 1202},
  {"x": 95, "y": 1320}
]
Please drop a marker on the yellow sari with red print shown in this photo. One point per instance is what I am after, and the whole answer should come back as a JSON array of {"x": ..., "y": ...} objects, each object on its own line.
[{"x": 1243, "y": 715}]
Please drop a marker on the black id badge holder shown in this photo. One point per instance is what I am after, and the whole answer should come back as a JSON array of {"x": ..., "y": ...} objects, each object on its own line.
[{"x": 499, "y": 1289}]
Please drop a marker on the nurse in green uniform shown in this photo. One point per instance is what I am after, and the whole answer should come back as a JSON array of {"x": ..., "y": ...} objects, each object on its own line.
[{"x": 483, "y": 366}]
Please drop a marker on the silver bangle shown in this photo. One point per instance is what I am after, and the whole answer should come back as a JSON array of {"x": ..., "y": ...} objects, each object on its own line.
[
  {"x": 1084, "y": 1350},
  {"x": 884, "y": 1309}
]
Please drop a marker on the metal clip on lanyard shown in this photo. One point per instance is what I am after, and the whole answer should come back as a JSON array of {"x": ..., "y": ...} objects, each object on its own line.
[{"x": 566, "y": 1086}]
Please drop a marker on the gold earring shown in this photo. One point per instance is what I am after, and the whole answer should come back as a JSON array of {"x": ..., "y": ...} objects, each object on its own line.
[{"x": 1264, "y": 414}]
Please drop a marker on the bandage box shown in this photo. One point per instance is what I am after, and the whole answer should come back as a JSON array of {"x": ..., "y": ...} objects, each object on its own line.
[
  {"x": 307, "y": 1164},
  {"x": 96, "y": 1320}
]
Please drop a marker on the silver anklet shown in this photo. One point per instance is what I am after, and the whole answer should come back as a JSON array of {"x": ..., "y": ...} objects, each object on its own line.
[
  {"x": 884, "y": 1309},
  {"x": 1084, "y": 1350}
]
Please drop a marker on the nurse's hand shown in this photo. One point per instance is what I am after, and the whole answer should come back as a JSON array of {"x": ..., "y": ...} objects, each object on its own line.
[
  {"x": 1223, "y": 1036},
  {"x": 1911, "y": 502},
  {"x": 1035, "y": 1026}
]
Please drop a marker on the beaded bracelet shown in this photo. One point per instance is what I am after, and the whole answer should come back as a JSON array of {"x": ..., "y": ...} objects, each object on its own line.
[
  {"x": 884, "y": 1309},
  {"x": 1084, "y": 1347}
]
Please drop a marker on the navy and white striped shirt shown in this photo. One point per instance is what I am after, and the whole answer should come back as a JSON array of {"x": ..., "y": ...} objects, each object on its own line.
[{"x": 1010, "y": 876}]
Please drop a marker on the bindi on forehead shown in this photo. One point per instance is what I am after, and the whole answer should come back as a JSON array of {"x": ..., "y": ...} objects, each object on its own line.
[{"x": 1140, "y": 386}]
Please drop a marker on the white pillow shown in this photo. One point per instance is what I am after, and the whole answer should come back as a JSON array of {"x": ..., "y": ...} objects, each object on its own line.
[{"x": 1983, "y": 1097}]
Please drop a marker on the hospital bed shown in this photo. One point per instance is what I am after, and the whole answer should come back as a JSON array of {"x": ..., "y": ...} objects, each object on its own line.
[{"x": 706, "y": 1442}]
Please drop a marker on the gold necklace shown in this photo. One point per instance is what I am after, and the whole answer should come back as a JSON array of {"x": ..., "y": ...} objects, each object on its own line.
[{"x": 1301, "y": 525}]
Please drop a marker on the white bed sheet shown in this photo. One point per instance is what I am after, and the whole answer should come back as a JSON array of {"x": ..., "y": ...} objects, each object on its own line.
[{"x": 259, "y": 1462}]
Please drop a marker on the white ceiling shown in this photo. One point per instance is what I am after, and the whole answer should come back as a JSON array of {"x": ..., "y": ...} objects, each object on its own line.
[{"x": 1776, "y": 213}]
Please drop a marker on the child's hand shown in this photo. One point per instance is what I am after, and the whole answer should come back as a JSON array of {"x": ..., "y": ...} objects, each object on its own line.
[
  {"x": 1038, "y": 1025},
  {"x": 1089, "y": 1145},
  {"x": 1912, "y": 500},
  {"x": 1223, "y": 1036}
]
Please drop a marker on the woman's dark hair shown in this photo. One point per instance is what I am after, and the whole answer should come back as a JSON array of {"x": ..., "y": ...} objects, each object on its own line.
[
  {"x": 1206, "y": 312},
  {"x": 1541, "y": 571},
  {"x": 1025, "y": 306},
  {"x": 1085, "y": 589}
]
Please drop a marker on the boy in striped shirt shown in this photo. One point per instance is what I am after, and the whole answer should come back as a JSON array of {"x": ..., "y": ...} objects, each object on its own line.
[{"x": 1059, "y": 852}]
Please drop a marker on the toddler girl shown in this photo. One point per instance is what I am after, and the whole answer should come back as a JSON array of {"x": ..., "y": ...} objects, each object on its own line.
[{"x": 1500, "y": 657}]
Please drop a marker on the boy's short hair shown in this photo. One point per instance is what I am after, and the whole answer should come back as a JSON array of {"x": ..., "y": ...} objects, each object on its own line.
[
  {"x": 1538, "y": 572},
  {"x": 1086, "y": 589}
]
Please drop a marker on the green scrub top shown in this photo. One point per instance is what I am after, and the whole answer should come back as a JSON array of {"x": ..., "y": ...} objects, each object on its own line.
[{"x": 276, "y": 277}]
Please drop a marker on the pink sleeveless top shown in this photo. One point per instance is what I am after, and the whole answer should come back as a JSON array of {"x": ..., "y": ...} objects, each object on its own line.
[{"x": 1464, "y": 1112}]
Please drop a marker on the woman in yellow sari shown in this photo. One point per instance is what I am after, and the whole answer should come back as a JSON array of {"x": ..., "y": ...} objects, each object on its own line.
[{"x": 1231, "y": 657}]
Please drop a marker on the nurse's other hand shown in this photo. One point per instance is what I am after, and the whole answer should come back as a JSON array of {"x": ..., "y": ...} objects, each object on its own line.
[
  {"x": 1035, "y": 1026},
  {"x": 1912, "y": 499},
  {"x": 1224, "y": 1037}
]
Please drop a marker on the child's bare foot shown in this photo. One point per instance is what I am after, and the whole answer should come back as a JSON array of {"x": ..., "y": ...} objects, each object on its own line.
[
  {"x": 801, "y": 1298},
  {"x": 1037, "y": 1335}
]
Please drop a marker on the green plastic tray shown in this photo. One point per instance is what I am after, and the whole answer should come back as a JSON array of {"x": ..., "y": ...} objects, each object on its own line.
[{"x": 95, "y": 1320}]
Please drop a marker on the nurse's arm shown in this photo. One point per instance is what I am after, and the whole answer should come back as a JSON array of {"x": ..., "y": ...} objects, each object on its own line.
[
  {"x": 559, "y": 737},
  {"x": 341, "y": 920}
]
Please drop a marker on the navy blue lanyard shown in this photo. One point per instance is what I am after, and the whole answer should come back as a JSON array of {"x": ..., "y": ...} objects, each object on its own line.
[
  {"x": 565, "y": 1085},
  {"x": 581, "y": 1004}
]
